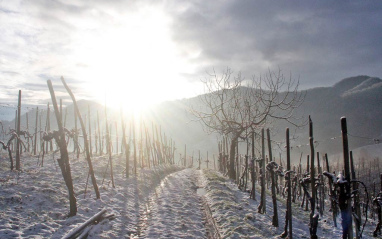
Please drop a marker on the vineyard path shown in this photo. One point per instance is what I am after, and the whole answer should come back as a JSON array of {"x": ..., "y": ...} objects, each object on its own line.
[{"x": 176, "y": 209}]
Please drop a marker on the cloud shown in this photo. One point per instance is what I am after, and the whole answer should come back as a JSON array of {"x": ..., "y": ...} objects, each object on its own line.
[
  {"x": 36, "y": 43},
  {"x": 321, "y": 41}
]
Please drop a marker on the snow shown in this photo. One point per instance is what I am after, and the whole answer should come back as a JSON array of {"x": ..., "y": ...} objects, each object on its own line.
[
  {"x": 161, "y": 202},
  {"x": 171, "y": 205}
]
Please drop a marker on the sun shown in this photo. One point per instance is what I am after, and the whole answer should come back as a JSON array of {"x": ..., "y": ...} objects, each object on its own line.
[{"x": 133, "y": 64}]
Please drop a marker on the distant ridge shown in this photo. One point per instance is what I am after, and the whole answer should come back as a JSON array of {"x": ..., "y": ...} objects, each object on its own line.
[{"x": 358, "y": 98}]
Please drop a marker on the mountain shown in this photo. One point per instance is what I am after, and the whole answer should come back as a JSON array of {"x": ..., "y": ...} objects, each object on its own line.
[{"x": 358, "y": 98}]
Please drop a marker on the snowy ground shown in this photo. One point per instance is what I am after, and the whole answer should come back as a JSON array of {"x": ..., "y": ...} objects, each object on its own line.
[{"x": 165, "y": 202}]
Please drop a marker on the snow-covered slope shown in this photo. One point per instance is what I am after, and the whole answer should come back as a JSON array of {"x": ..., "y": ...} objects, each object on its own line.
[{"x": 161, "y": 202}]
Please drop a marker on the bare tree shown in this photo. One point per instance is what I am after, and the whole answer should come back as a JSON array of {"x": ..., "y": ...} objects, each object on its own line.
[{"x": 232, "y": 105}]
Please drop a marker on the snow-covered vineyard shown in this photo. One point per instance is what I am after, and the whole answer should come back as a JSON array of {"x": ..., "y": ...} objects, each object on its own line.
[{"x": 161, "y": 202}]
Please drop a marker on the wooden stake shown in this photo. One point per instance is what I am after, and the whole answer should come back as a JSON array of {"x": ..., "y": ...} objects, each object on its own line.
[
  {"x": 347, "y": 225},
  {"x": 28, "y": 130},
  {"x": 262, "y": 205},
  {"x": 63, "y": 162},
  {"x": 86, "y": 143},
  {"x": 90, "y": 134},
  {"x": 275, "y": 219},
  {"x": 135, "y": 147},
  {"x": 289, "y": 204},
  {"x": 108, "y": 144},
  {"x": 18, "y": 165},
  {"x": 358, "y": 222},
  {"x": 127, "y": 147},
  {"x": 333, "y": 203},
  {"x": 99, "y": 136},
  {"x": 312, "y": 216}
]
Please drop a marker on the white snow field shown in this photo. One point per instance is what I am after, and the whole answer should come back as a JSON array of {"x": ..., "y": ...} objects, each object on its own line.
[{"x": 164, "y": 202}]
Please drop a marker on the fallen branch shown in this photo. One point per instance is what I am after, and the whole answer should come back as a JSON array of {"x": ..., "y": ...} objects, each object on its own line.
[{"x": 93, "y": 220}]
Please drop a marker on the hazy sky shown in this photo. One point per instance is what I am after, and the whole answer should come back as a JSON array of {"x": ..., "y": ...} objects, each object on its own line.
[{"x": 143, "y": 51}]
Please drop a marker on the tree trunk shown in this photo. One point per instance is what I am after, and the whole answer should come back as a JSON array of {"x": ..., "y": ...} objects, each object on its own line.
[{"x": 232, "y": 154}]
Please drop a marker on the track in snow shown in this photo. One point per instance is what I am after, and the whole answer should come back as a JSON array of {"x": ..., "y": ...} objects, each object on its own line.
[{"x": 176, "y": 210}]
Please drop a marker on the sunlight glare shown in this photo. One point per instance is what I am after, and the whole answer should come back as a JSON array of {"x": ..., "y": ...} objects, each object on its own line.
[{"x": 134, "y": 64}]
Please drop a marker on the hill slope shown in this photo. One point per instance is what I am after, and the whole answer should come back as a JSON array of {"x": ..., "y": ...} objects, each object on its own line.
[{"x": 358, "y": 98}]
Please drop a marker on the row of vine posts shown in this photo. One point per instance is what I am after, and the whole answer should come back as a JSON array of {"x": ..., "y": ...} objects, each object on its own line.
[
  {"x": 347, "y": 195},
  {"x": 148, "y": 151},
  {"x": 341, "y": 185}
]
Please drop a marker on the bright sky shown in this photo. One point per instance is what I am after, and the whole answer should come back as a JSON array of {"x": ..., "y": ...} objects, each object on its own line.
[
  {"x": 118, "y": 54},
  {"x": 145, "y": 52}
]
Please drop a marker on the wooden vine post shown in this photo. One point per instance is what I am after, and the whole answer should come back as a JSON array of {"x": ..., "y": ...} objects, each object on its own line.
[
  {"x": 185, "y": 156},
  {"x": 275, "y": 220},
  {"x": 357, "y": 208},
  {"x": 289, "y": 208},
  {"x": 108, "y": 144},
  {"x": 153, "y": 148},
  {"x": 63, "y": 162},
  {"x": 28, "y": 131},
  {"x": 18, "y": 165},
  {"x": 207, "y": 161},
  {"x": 49, "y": 146},
  {"x": 86, "y": 143},
  {"x": 199, "y": 160},
  {"x": 127, "y": 146},
  {"x": 40, "y": 138},
  {"x": 140, "y": 144},
  {"x": 263, "y": 194},
  {"x": 312, "y": 216},
  {"x": 320, "y": 186},
  {"x": 116, "y": 136},
  {"x": 344, "y": 197},
  {"x": 99, "y": 136},
  {"x": 90, "y": 133},
  {"x": 35, "y": 134},
  {"x": 237, "y": 167},
  {"x": 95, "y": 137},
  {"x": 77, "y": 144},
  {"x": 262, "y": 205},
  {"x": 135, "y": 146},
  {"x": 49, "y": 127},
  {"x": 333, "y": 196},
  {"x": 61, "y": 114},
  {"x": 13, "y": 143},
  {"x": 148, "y": 146},
  {"x": 307, "y": 171},
  {"x": 66, "y": 114},
  {"x": 288, "y": 175},
  {"x": 253, "y": 173}
]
